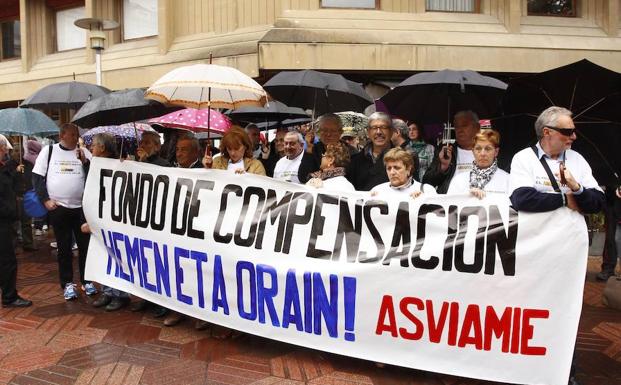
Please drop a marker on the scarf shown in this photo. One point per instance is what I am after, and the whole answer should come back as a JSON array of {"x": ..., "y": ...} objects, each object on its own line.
[
  {"x": 479, "y": 177},
  {"x": 404, "y": 186},
  {"x": 327, "y": 174}
]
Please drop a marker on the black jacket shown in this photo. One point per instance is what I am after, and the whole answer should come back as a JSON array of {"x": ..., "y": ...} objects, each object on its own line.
[
  {"x": 435, "y": 177},
  {"x": 311, "y": 162},
  {"x": 157, "y": 160},
  {"x": 365, "y": 173},
  {"x": 8, "y": 204}
]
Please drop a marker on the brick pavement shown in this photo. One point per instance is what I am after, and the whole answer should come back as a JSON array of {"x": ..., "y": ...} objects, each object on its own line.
[{"x": 58, "y": 342}]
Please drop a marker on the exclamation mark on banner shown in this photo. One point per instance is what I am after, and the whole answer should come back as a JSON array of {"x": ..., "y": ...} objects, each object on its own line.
[{"x": 349, "y": 292}]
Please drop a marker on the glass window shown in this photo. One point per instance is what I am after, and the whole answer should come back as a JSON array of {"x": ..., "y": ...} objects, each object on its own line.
[
  {"x": 139, "y": 18},
  {"x": 566, "y": 8},
  {"x": 452, "y": 5},
  {"x": 349, "y": 4},
  {"x": 68, "y": 36},
  {"x": 11, "y": 40}
]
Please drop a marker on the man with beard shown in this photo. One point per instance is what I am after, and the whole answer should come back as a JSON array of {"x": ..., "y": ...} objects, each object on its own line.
[
  {"x": 450, "y": 160},
  {"x": 367, "y": 167}
]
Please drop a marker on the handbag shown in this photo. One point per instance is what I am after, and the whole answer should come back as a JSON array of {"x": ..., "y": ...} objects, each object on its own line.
[{"x": 32, "y": 204}]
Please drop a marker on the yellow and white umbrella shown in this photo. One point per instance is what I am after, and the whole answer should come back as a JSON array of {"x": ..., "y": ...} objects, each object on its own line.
[{"x": 207, "y": 85}]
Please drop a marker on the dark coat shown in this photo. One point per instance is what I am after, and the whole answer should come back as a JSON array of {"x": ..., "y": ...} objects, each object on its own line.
[
  {"x": 364, "y": 173},
  {"x": 435, "y": 177},
  {"x": 311, "y": 162},
  {"x": 8, "y": 202},
  {"x": 157, "y": 160}
]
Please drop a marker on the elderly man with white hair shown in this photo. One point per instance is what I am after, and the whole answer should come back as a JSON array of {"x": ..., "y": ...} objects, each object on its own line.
[
  {"x": 288, "y": 166},
  {"x": 550, "y": 175}
]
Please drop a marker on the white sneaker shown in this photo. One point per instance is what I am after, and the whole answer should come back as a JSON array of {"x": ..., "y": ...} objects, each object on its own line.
[
  {"x": 44, "y": 228},
  {"x": 38, "y": 233},
  {"x": 74, "y": 247},
  {"x": 53, "y": 245},
  {"x": 70, "y": 291}
]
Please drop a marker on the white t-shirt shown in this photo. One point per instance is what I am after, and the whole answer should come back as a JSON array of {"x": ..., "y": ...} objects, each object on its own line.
[
  {"x": 66, "y": 176},
  {"x": 464, "y": 161},
  {"x": 287, "y": 169},
  {"x": 235, "y": 166},
  {"x": 385, "y": 191},
  {"x": 499, "y": 184},
  {"x": 527, "y": 171}
]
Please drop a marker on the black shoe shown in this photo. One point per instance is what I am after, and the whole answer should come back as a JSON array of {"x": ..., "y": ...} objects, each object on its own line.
[
  {"x": 573, "y": 381},
  {"x": 159, "y": 311},
  {"x": 103, "y": 300},
  {"x": 116, "y": 304},
  {"x": 139, "y": 306},
  {"x": 604, "y": 275},
  {"x": 19, "y": 302}
]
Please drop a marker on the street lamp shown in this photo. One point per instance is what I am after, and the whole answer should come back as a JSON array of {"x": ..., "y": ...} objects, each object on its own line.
[{"x": 97, "y": 37}]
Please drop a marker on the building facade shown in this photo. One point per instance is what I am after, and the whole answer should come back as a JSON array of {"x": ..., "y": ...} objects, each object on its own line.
[{"x": 376, "y": 39}]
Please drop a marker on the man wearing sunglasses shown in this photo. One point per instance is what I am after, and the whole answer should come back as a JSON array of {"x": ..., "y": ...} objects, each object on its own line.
[
  {"x": 571, "y": 182},
  {"x": 550, "y": 175}
]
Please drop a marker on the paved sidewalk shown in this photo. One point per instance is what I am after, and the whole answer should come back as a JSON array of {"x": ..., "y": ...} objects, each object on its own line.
[{"x": 59, "y": 342}]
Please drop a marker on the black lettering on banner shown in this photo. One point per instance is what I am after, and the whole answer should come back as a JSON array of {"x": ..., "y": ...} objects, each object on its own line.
[
  {"x": 317, "y": 226},
  {"x": 252, "y": 232},
  {"x": 103, "y": 173},
  {"x": 195, "y": 206},
  {"x": 122, "y": 175},
  {"x": 477, "y": 263},
  {"x": 229, "y": 188},
  {"x": 421, "y": 225},
  {"x": 348, "y": 229},
  {"x": 175, "y": 227},
  {"x": 293, "y": 218},
  {"x": 131, "y": 197},
  {"x": 400, "y": 236},
  {"x": 278, "y": 210},
  {"x": 144, "y": 180},
  {"x": 383, "y": 209},
  {"x": 161, "y": 180},
  {"x": 447, "y": 258},
  {"x": 503, "y": 239}
]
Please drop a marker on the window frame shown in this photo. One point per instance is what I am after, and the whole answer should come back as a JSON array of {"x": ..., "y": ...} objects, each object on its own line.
[
  {"x": 477, "y": 9},
  {"x": 122, "y": 29},
  {"x": 18, "y": 57},
  {"x": 55, "y": 29},
  {"x": 575, "y": 9},
  {"x": 377, "y": 6}
]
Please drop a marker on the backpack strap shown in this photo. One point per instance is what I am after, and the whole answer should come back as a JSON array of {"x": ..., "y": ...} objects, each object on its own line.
[
  {"x": 49, "y": 158},
  {"x": 548, "y": 171}
]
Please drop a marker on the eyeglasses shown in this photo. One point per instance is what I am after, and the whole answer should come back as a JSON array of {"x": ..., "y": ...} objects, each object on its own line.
[
  {"x": 563, "y": 131},
  {"x": 382, "y": 127}
]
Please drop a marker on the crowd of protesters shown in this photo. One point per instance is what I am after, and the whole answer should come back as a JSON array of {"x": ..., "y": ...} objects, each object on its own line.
[{"x": 394, "y": 163}]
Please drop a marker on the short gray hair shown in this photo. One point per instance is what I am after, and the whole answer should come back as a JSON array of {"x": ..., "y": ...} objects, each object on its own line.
[
  {"x": 195, "y": 145},
  {"x": 154, "y": 134},
  {"x": 330, "y": 116},
  {"x": 380, "y": 116},
  {"x": 549, "y": 117},
  {"x": 298, "y": 135},
  {"x": 469, "y": 114},
  {"x": 401, "y": 127},
  {"x": 108, "y": 142}
]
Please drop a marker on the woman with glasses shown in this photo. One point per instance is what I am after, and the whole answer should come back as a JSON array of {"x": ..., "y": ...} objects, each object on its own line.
[{"x": 485, "y": 176}]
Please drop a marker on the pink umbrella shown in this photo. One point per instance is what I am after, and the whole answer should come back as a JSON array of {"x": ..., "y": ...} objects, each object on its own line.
[{"x": 195, "y": 120}]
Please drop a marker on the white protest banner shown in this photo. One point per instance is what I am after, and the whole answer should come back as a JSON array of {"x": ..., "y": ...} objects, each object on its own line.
[{"x": 448, "y": 284}]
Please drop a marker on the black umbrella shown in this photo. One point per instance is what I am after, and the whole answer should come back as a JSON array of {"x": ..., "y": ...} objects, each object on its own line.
[
  {"x": 283, "y": 123},
  {"x": 434, "y": 97},
  {"x": 275, "y": 111},
  {"x": 590, "y": 91},
  {"x": 322, "y": 92},
  {"x": 64, "y": 95},
  {"x": 119, "y": 107}
]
